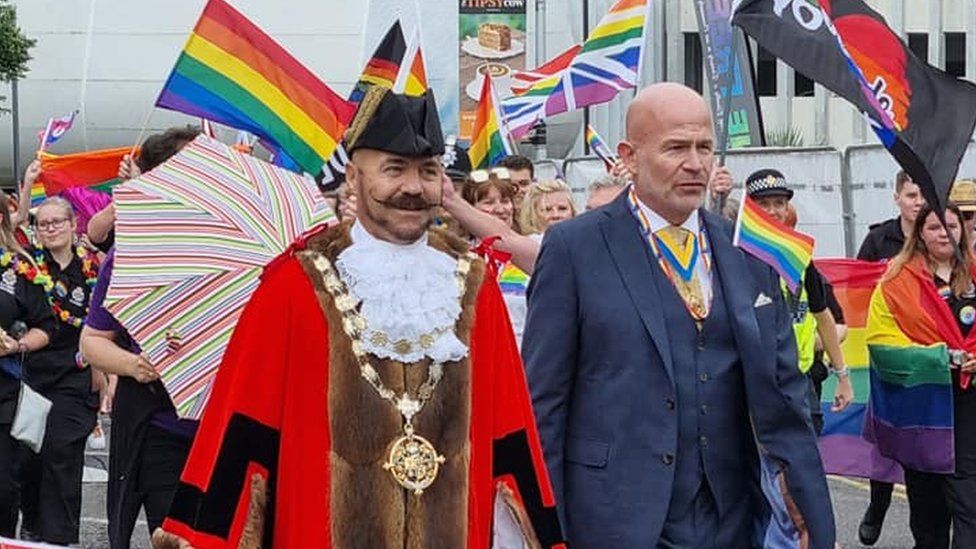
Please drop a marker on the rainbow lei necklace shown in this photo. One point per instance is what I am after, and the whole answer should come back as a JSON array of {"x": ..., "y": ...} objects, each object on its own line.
[{"x": 56, "y": 291}]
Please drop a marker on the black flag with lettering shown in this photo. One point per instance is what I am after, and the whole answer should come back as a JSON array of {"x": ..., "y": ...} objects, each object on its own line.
[{"x": 923, "y": 116}]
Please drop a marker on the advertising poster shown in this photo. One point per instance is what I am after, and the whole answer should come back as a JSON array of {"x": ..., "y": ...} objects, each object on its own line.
[{"x": 492, "y": 41}]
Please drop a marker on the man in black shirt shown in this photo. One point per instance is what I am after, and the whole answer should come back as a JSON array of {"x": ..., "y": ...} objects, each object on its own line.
[
  {"x": 881, "y": 244},
  {"x": 885, "y": 239}
]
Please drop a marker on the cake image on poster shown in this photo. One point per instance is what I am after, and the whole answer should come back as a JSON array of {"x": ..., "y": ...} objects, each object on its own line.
[{"x": 495, "y": 36}]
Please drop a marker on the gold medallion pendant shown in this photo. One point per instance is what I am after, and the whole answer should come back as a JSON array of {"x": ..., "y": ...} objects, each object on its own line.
[{"x": 414, "y": 462}]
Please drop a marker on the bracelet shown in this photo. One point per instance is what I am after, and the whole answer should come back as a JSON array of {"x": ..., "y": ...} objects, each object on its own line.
[{"x": 841, "y": 373}]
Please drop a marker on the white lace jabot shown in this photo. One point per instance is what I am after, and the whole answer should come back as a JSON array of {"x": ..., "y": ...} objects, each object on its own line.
[{"x": 408, "y": 293}]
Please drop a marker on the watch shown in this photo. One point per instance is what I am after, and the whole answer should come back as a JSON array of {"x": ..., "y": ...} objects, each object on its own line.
[{"x": 841, "y": 372}]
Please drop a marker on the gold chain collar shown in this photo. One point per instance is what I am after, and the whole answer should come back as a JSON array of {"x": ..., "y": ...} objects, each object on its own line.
[{"x": 413, "y": 461}]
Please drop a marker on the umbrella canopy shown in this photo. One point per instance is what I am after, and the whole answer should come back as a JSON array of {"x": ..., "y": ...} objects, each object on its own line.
[{"x": 192, "y": 238}]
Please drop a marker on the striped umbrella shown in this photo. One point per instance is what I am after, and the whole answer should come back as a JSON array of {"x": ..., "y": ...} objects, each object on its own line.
[{"x": 192, "y": 238}]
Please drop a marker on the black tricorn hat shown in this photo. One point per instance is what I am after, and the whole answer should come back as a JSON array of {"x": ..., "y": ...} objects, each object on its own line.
[{"x": 395, "y": 123}]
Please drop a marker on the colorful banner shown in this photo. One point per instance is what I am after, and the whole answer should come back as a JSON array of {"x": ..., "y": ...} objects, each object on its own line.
[
  {"x": 492, "y": 41},
  {"x": 842, "y": 447},
  {"x": 724, "y": 71}
]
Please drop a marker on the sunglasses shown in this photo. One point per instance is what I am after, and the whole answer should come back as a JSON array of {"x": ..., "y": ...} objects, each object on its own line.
[{"x": 482, "y": 176}]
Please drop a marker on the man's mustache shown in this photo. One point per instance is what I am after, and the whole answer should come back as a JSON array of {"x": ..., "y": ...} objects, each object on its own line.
[{"x": 407, "y": 202}]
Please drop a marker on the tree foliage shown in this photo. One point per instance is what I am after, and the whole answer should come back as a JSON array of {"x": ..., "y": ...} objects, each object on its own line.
[{"x": 14, "y": 46}]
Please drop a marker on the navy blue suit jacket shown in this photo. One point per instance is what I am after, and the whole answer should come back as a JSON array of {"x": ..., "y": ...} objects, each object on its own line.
[{"x": 599, "y": 367}]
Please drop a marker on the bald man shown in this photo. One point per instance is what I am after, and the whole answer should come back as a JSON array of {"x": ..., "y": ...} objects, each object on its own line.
[{"x": 662, "y": 363}]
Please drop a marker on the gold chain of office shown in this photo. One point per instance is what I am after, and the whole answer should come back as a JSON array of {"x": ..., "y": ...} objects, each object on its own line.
[{"x": 412, "y": 460}]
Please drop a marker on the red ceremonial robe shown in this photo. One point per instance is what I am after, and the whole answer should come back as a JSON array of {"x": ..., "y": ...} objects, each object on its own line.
[{"x": 290, "y": 449}]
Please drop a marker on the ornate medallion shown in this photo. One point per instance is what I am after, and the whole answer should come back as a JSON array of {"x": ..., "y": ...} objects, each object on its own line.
[{"x": 413, "y": 462}]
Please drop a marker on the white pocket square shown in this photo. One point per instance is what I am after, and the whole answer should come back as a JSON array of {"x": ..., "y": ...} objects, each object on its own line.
[{"x": 762, "y": 300}]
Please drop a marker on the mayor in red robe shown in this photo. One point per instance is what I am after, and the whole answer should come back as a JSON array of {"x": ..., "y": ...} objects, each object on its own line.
[{"x": 293, "y": 442}]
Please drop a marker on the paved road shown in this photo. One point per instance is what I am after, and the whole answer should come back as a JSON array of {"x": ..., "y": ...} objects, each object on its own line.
[{"x": 850, "y": 499}]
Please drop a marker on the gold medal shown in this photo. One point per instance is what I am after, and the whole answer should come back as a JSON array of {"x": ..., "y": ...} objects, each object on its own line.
[{"x": 413, "y": 461}]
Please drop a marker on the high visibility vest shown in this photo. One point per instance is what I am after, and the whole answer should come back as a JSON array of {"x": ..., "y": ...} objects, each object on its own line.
[{"x": 804, "y": 326}]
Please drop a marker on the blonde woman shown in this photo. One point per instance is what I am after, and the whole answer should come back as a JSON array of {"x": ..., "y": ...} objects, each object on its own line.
[
  {"x": 51, "y": 480},
  {"x": 545, "y": 204}
]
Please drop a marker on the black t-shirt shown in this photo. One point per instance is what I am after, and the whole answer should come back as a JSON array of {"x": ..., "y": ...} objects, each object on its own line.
[
  {"x": 55, "y": 366},
  {"x": 964, "y": 400},
  {"x": 813, "y": 283},
  {"x": 19, "y": 300}
]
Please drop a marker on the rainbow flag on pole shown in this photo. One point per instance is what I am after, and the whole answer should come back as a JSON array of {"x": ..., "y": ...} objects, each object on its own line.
[
  {"x": 491, "y": 142},
  {"x": 785, "y": 250},
  {"x": 600, "y": 147},
  {"x": 234, "y": 74}
]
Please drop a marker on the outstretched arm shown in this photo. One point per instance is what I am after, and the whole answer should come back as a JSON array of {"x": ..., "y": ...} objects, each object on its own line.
[{"x": 524, "y": 250}]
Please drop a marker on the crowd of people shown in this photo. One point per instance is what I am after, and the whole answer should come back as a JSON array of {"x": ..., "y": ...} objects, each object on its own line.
[{"x": 671, "y": 388}]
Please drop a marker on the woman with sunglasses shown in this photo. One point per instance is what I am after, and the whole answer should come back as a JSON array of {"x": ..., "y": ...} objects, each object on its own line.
[
  {"x": 23, "y": 302},
  {"x": 51, "y": 480}
]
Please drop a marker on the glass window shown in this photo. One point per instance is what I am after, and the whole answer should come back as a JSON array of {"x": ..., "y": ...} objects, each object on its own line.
[
  {"x": 765, "y": 73},
  {"x": 955, "y": 54},
  {"x": 694, "y": 76},
  {"x": 918, "y": 42}
]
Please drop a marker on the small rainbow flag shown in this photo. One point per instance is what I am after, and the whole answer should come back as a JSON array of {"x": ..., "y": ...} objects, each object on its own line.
[
  {"x": 232, "y": 73},
  {"x": 491, "y": 141},
  {"x": 512, "y": 280},
  {"x": 412, "y": 79},
  {"x": 785, "y": 250},
  {"x": 600, "y": 147},
  {"x": 37, "y": 194}
]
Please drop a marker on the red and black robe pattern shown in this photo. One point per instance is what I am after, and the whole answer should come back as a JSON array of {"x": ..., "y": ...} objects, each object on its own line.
[{"x": 290, "y": 449}]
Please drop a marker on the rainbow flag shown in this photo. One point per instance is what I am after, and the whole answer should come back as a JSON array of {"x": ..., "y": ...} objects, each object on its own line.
[
  {"x": 600, "y": 147},
  {"x": 96, "y": 170},
  {"x": 910, "y": 332},
  {"x": 608, "y": 62},
  {"x": 412, "y": 77},
  {"x": 491, "y": 141},
  {"x": 232, "y": 73},
  {"x": 512, "y": 280},
  {"x": 37, "y": 194},
  {"x": 785, "y": 250},
  {"x": 842, "y": 446}
]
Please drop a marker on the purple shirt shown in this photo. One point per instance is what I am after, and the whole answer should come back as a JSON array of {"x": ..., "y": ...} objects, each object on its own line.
[{"x": 100, "y": 318}]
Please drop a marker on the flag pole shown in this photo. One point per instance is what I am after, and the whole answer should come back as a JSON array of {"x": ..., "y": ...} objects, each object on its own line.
[
  {"x": 586, "y": 109},
  {"x": 726, "y": 115},
  {"x": 142, "y": 130},
  {"x": 47, "y": 133}
]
